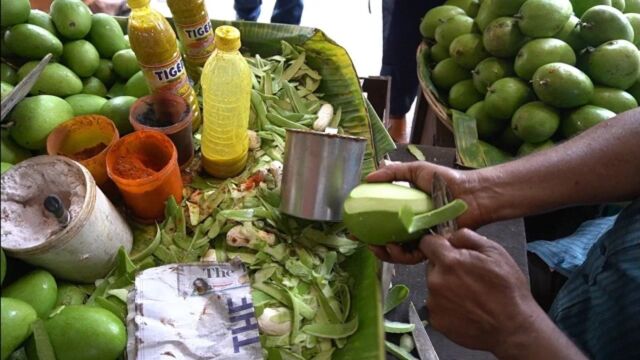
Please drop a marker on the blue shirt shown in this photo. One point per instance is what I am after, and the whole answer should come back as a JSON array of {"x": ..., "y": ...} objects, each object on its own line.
[{"x": 599, "y": 305}]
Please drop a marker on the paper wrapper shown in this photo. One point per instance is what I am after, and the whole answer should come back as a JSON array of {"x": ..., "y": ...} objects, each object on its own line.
[{"x": 192, "y": 311}]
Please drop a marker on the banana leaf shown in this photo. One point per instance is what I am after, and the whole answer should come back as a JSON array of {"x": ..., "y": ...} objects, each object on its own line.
[
  {"x": 472, "y": 152},
  {"x": 341, "y": 87}
]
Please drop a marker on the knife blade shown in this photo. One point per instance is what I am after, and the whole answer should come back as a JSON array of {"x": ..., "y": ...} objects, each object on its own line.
[
  {"x": 441, "y": 196},
  {"x": 423, "y": 343},
  {"x": 22, "y": 89}
]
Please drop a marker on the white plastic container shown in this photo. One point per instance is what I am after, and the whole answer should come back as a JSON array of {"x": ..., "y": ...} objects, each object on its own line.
[{"x": 86, "y": 248}]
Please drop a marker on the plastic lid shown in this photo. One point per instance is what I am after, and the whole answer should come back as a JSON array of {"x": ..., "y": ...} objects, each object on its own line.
[
  {"x": 227, "y": 38},
  {"x": 138, "y": 3}
]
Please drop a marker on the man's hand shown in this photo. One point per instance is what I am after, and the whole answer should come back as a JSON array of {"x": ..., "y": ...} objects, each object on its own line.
[{"x": 479, "y": 298}]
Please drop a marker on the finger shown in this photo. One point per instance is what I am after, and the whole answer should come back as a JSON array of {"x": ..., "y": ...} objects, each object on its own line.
[
  {"x": 400, "y": 255},
  {"x": 381, "y": 253},
  {"x": 436, "y": 248},
  {"x": 395, "y": 172},
  {"x": 467, "y": 239}
]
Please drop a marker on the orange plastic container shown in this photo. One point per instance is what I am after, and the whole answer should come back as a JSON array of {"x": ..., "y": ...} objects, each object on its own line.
[
  {"x": 144, "y": 166},
  {"x": 85, "y": 139}
]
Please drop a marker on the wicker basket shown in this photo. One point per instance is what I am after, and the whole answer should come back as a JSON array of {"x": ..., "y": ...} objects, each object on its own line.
[{"x": 429, "y": 90}]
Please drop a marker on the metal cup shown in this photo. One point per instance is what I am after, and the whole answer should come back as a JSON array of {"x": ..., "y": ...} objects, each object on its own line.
[{"x": 320, "y": 169}]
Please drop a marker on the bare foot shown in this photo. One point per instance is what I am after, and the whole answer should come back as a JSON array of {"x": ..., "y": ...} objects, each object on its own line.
[{"x": 398, "y": 129}]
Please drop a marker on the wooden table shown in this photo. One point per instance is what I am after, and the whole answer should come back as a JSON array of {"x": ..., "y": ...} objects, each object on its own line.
[{"x": 510, "y": 234}]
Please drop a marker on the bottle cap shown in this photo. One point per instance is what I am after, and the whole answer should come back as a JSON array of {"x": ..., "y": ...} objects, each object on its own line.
[
  {"x": 227, "y": 38},
  {"x": 137, "y": 3}
]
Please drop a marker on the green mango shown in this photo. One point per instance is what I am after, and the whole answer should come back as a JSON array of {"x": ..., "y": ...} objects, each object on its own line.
[
  {"x": 69, "y": 294},
  {"x": 529, "y": 148},
  {"x": 614, "y": 64},
  {"x": 82, "y": 332},
  {"x": 544, "y": 18},
  {"x": 125, "y": 63},
  {"x": 508, "y": 140},
  {"x": 5, "y": 89},
  {"x": 93, "y": 86},
  {"x": 106, "y": 35},
  {"x": 137, "y": 86},
  {"x": 535, "y": 122},
  {"x": 117, "y": 109},
  {"x": 634, "y": 20},
  {"x": 619, "y": 4},
  {"x": 42, "y": 19},
  {"x": 540, "y": 52},
  {"x": 14, "y": 12},
  {"x": 81, "y": 57},
  {"x": 85, "y": 104},
  {"x": 570, "y": 34},
  {"x": 56, "y": 79},
  {"x": 16, "y": 317},
  {"x": 8, "y": 74},
  {"x": 503, "y": 38},
  {"x": 448, "y": 73},
  {"x": 71, "y": 17},
  {"x": 32, "y": 42},
  {"x": 468, "y": 51},
  {"x": 105, "y": 72},
  {"x": 493, "y": 9},
  {"x": 37, "y": 289},
  {"x": 454, "y": 27},
  {"x": 10, "y": 152},
  {"x": 436, "y": 16},
  {"x": 489, "y": 71},
  {"x": 583, "y": 118},
  {"x": 463, "y": 94},
  {"x": 439, "y": 52},
  {"x": 116, "y": 90},
  {"x": 469, "y": 6},
  {"x": 580, "y": 6},
  {"x": 604, "y": 23},
  {"x": 612, "y": 99},
  {"x": 4, "y": 167},
  {"x": 561, "y": 85},
  {"x": 634, "y": 90},
  {"x": 632, "y": 6},
  {"x": 505, "y": 96},
  {"x": 35, "y": 117},
  {"x": 487, "y": 125}
]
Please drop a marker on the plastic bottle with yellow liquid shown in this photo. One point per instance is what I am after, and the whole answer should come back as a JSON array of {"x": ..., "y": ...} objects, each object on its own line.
[
  {"x": 154, "y": 43},
  {"x": 194, "y": 30},
  {"x": 226, "y": 90}
]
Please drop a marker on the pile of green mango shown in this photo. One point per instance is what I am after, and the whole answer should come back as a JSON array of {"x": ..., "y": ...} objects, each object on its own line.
[
  {"x": 70, "y": 328},
  {"x": 93, "y": 71},
  {"x": 534, "y": 72}
]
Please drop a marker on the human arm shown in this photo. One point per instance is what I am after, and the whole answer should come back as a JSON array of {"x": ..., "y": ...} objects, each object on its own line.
[{"x": 479, "y": 298}]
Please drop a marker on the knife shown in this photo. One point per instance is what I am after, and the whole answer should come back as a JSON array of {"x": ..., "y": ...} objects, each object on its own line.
[
  {"x": 22, "y": 89},
  {"x": 441, "y": 196},
  {"x": 420, "y": 336}
]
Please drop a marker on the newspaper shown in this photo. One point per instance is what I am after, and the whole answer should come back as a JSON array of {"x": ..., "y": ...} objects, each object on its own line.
[{"x": 192, "y": 311}]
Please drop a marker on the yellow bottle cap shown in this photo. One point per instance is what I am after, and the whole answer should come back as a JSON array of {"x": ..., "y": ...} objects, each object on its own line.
[
  {"x": 138, "y": 3},
  {"x": 227, "y": 38}
]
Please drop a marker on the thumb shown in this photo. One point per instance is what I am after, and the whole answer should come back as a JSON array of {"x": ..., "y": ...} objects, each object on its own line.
[{"x": 467, "y": 239}]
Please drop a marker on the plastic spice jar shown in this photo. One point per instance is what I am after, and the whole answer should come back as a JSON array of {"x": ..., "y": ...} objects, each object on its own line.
[
  {"x": 169, "y": 114},
  {"x": 144, "y": 166},
  {"x": 85, "y": 139}
]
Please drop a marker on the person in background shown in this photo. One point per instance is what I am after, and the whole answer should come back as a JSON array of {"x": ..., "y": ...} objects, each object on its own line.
[
  {"x": 400, "y": 39},
  {"x": 284, "y": 11},
  {"x": 480, "y": 299}
]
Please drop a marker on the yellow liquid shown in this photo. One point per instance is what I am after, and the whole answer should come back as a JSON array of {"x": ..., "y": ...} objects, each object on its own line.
[
  {"x": 194, "y": 29},
  {"x": 154, "y": 43},
  {"x": 226, "y": 89}
]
